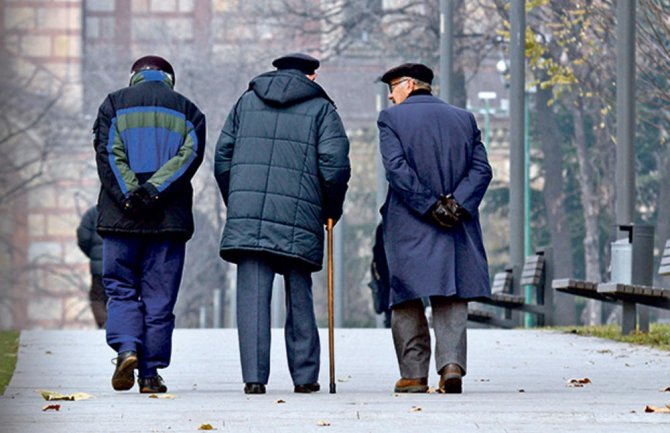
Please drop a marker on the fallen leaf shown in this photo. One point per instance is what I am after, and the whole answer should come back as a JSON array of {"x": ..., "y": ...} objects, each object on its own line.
[
  {"x": 280, "y": 401},
  {"x": 665, "y": 389},
  {"x": 206, "y": 427},
  {"x": 578, "y": 383},
  {"x": 415, "y": 409},
  {"x": 51, "y": 396},
  {"x": 323, "y": 424},
  {"x": 396, "y": 395},
  {"x": 522, "y": 390},
  {"x": 343, "y": 379},
  {"x": 55, "y": 407},
  {"x": 163, "y": 396},
  {"x": 606, "y": 351},
  {"x": 656, "y": 409},
  {"x": 48, "y": 352}
]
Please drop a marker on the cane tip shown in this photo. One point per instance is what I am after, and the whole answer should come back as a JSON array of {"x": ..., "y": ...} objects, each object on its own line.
[{"x": 332, "y": 388}]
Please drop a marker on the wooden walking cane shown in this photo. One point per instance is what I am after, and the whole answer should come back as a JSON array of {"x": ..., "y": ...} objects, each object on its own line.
[{"x": 331, "y": 341}]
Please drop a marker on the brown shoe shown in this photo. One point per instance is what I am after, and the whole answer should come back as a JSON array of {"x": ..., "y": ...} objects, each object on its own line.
[
  {"x": 451, "y": 379},
  {"x": 411, "y": 385},
  {"x": 307, "y": 388}
]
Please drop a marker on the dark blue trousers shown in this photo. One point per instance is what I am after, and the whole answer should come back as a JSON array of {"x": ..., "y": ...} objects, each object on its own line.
[
  {"x": 255, "y": 275},
  {"x": 141, "y": 277}
]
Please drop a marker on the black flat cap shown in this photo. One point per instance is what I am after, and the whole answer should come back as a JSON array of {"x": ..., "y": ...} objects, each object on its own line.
[
  {"x": 302, "y": 62},
  {"x": 412, "y": 70}
]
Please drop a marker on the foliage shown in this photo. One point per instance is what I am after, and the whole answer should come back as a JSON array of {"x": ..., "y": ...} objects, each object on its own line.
[{"x": 9, "y": 345}]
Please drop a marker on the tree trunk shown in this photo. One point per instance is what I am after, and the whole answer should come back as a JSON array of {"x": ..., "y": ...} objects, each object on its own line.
[
  {"x": 554, "y": 200},
  {"x": 591, "y": 211}
]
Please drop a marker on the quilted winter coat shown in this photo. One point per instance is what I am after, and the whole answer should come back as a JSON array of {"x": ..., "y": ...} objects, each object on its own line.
[{"x": 282, "y": 165}]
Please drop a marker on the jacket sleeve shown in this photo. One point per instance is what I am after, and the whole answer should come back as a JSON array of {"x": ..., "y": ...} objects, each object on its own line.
[
  {"x": 401, "y": 176},
  {"x": 223, "y": 155},
  {"x": 114, "y": 170},
  {"x": 471, "y": 189},
  {"x": 180, "y": 168},
  {"x": 334, "y": 166}
]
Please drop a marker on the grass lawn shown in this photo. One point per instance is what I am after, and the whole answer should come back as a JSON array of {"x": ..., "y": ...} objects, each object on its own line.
[
  {"x": 9, "y": 344},
  {"x": 658, "y": 336}
]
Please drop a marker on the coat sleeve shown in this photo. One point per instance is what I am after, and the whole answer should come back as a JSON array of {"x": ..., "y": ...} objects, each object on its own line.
[
  {"x": 180, "y": 168},
  {"x": 334, "y": 166},
  {"x": 223, "y": 155},
  {"x": 402, "y": 178},
  {"x": 471, "y": 189},
  {"x": 114, "y": 170}
]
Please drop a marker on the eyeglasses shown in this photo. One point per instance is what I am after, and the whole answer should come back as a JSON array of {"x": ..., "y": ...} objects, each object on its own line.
[{"x": 393, "y": 85}]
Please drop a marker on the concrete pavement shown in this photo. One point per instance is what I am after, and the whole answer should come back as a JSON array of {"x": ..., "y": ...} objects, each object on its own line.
[{"x": 516, "y": 383}]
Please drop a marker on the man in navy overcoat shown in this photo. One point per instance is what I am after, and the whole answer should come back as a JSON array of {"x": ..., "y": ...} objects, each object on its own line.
[{"x": 438, "y": 172}]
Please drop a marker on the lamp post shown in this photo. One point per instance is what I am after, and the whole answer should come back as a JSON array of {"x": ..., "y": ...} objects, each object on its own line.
[{"x": 486, "y": 97}]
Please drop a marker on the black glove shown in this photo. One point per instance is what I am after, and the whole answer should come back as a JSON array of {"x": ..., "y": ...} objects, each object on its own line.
[
  {"x": 141, "y": 200},
  {"x": 447, "y": 213}
]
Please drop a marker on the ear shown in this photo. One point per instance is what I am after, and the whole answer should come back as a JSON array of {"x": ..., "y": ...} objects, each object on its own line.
[{"x": 311, "y": 77}]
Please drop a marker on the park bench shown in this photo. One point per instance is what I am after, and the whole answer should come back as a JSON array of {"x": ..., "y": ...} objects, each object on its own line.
[
  {"x": 629, "y": 295},
  {"x": 534, "y": 273}
]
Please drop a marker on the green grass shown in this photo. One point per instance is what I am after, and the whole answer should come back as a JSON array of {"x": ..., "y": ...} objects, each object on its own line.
[
  {"x": 658, "y": 336},
  {"x": 9, "y": 344}
]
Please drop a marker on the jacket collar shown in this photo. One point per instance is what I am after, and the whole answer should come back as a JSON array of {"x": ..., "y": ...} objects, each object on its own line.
[{"x": 151, "y": 75}]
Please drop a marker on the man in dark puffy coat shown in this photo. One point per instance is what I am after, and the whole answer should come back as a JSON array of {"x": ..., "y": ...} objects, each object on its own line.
[
  {"x": 282, "y": 166},
  {"x": 149, "y": 141},
  {"x": 90, "y": 243}
]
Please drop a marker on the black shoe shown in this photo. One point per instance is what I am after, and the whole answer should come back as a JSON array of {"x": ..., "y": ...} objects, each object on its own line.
[
  {"x": 151, "y": 385},
  {"x": 308, "y": 388},
  {"x": 254, "y": 388},
  {"x": 124, "y": 375}
]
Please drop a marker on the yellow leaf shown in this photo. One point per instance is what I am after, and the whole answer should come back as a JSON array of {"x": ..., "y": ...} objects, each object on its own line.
[
  {"x": 52, "y": 396},
  {"x": 163, "y": 396},
  {"x": 656, "y": 409},
  {"x": 206, "y": 427},
  {"x": 323, "y": 424}
]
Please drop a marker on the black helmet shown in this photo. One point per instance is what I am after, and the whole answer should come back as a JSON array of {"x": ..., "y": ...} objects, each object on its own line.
[{"x": 153, "y": 62}]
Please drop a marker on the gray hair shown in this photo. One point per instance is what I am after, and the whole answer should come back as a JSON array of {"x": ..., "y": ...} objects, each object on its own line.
[{"x": 422, "y": 85}]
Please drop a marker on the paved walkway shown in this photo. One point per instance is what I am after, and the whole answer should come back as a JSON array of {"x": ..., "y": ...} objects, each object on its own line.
[{"x": 516, "y": 383}]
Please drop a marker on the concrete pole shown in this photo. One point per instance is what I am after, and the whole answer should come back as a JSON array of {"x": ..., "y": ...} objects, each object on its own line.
[
  {"x": 517, "y": 157},
  {"x": 625, "y": 112},
  {"x": 447, "y": 50}
]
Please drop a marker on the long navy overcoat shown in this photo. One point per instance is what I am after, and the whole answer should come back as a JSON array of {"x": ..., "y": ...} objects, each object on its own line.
[{"x": 430, "y": 148}]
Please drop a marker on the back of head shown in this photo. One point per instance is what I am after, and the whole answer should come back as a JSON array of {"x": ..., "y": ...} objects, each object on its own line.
[{"x": 153, "y": 63}]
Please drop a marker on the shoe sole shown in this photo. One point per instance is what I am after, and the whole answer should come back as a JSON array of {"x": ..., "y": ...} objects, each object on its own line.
[
  {"x": 412, "y": 389},
  {"x": 152, "y": 391},
  {"x": 124, "y": 375}
]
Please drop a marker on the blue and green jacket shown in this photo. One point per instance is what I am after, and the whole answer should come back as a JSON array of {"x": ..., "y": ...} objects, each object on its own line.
[{"x": 148, "y": 133}]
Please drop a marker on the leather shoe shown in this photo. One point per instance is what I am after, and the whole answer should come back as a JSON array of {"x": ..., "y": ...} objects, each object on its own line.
[
  {"x": 451, "y": 379},
  {"x": 124, "y": 374},
  {"x": 419, "y": 385},
  {"x": 254, "y": 388},
  {"x": 307, "y": 388},
  {"x": 152, "y": 385}
]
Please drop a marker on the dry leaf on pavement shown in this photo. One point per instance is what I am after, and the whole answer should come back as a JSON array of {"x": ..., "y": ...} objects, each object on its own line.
[
  {"x": 415, "y": 409},
  {"x": 323, "y": 424},
  {"x": 51, "y": 396},
  {"x": 55, "y": 407},
  {"x": 578, "y": 383},
  {"x": 206, "y": 427},
  {"x": 280, "y": 401},
  {"x": 665, "y": 389},
  {"x": 163, "y": 396},
  {"x": 656, "y": 409}
]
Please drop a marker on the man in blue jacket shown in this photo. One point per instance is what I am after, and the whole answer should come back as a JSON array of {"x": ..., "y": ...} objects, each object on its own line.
[
  {"x": 149, "y": 141},
  {"x": 438, "y": 172},
  {"x": 282, "y": 166}
]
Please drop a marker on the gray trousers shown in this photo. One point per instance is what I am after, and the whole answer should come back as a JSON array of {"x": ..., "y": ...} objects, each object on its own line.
[
  {"x": 255, "y": 275},
  {"x": 411, "y": 336}
]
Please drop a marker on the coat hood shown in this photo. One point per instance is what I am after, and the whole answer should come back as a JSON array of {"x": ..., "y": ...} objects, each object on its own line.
[{"x": 286, "y": 87}]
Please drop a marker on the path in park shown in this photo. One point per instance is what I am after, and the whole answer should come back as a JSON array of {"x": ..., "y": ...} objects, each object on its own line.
[{"x": 516, "y": 383}]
